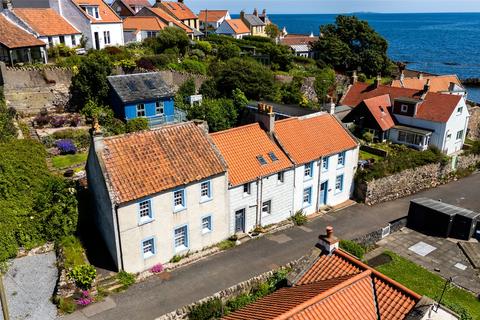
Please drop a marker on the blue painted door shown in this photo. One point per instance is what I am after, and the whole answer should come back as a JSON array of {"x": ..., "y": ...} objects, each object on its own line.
[{"x": 322, "y": 201}]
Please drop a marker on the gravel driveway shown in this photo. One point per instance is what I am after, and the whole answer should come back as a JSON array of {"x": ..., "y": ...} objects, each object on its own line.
[{"x": 30, "y": 282}]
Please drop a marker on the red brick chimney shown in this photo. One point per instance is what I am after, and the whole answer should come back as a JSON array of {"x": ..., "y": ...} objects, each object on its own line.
[{"x": 328, "y": 243}]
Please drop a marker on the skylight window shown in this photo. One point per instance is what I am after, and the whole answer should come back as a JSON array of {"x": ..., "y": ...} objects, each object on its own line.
[
  {"x": 272, "y": 156},
  {"x": 149, "y": 84},
  {"x": 262, "y": 160},
  {"x": 132, "y": 86}
]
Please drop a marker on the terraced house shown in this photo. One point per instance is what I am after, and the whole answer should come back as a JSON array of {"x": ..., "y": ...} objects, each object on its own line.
[{"x": 158, "y": 193}]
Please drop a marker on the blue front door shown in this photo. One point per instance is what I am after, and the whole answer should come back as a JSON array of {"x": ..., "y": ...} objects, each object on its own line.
[{"x": 322, "y": 201}]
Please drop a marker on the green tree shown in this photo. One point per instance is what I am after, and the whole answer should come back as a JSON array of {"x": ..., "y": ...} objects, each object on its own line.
[
  {"x": 272, "y": 30},
  {"x": 227, "y": 51},
  {"x": 137, "y": 124},
  {"x": 90, "y": 83},
  {"x": 169, "y": 38},
  {"x": 324, "y": 82},
  {"x": 186, "y": 90},
  {"x": 220, "y": 114},
  {"x": 7, "y": 128}
]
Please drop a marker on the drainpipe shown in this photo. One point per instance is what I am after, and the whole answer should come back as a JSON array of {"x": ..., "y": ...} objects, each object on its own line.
[
  {"x": 294, "y": 189},
  {"x": 261, "y": 203},
  {"x": 119, "y": 238},
  {"x": 257, "y": 219},
  {"x": 317, "y": 207}
]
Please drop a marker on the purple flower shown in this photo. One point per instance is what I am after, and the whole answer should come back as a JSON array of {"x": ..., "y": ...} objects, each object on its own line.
[
  {"x": 157, "y": 268},
  {"x": 85, "y": 299},
  {"x": 57, "y": 122},
  {"x": 66, "y": 146}
]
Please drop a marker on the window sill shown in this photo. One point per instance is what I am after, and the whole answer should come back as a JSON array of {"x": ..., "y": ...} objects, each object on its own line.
[
  {"x": 145, "y": 221},
  {"x": 324, "y": 170},
  {"x": 341, "y": 166},
  {"x": 246, "y": 195},
  {"x": 306, "y": 205},
  {"x": 179, "y": 209},
  {"x": 180, "y": 249},
  {"x": 338, "y": 191},
  {"x": 148, "y": 255},
  {"x": 205, "y": 199},
  {"x": 308, "y": 178},
  {"x": 206, "y": 231}
]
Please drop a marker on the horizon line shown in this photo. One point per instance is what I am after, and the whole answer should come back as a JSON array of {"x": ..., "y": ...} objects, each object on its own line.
[{"x": 367, "y": 12}]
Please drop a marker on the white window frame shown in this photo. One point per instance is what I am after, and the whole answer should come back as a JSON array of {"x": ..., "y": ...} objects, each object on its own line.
[
  {"x": 459, "y": 110},
  {"x": 106, "y": 37},
  {"x": 325, "y": 163},
  {"x": 268, "y": 206},
  {"x": 206, "y": 224},
  {"x": 148, "y": 247},
  {"x": 404, "y": 108},
  {"x": 307, "y": 192},
  {"x": 93, "y": 12},
  {"x": 205, "y": 195},
  {"x": 141, "y": 109},
  {"x": 182, "y": 205},
  {"x": 180, "y": 239},
  {"x": 281, "y": 177},
  {"x": 341, "y": 159},
  {"x": 337, "y": 189},
  {"x": 461, "y": 137},
  {"x": 308, "y": 171},
  {"x": 145, "y": 212},
  {"x": 247, "y": 189},
  {"x": 159, "y": 105},
  {"x": 73, "y": 39}
]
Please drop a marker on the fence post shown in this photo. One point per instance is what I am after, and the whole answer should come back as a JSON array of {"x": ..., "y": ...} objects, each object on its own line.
[{"x": 3, "y": 299}]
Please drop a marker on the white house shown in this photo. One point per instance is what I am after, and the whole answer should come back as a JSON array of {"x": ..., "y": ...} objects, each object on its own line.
[
  {"x": 97, "y": 21},
  {"x": 234, "y": 27},
  {"x": 261, "y": 177},
  {"x": 325, "y": 156},
  {"x": 158, "y": 194},
  {"x": 212, "y": 19},
  {"x": 137, "y": 28},
  {"x": 45, "y": 24}
]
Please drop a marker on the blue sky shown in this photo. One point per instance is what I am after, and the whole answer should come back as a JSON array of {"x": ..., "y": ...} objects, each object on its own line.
[{"x": 339, "y": 6}]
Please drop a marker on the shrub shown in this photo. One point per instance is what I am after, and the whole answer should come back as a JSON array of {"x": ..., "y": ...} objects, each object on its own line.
[
  {"x": 42, "y": 120},
  {"x": 85, "y": 299},
  {"x": 367, "y": 136},
  {"x": 176, "y": 259},
  {"x": 239, "y": 302},
  {"x": 211, "y": 309},
  {"x": 57, "y": 121},
  {"x": 475, "y": 148},
  {"x": 83, "y": 275},
  {"x": 74, "y": 120},
  {"x": 353, "y": 248},
  {"x": 158, "y": 268},
  {"x": 226, "y": 244},
  {"x": 299, "y": 218},
  {"x": 193, "y": 66},
  {"x": 7, "y": 128},
  {"x": 137, "y": 124},
  {"x": 81, "y": 138},
  {"x": 73, "y": 251},
  {"x": 60, "y": 50},
  {"x": 66, "y": 146},
  {"x": 125, "y": 278},
  {"x": 66, "y": 305}
]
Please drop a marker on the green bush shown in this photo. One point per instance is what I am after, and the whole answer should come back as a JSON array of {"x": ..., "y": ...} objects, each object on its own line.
[
  {"x": 211, "y": 309},
  {"x": 73, "y": 251},
  {"x": 475, "y": 148},
  {"x": 176, "y": 258},
  {"x": 83, "y": 275},
  {"x": 238, "y": 302},
  {"x": 7, "y": 128},
  {"x": 137, "y": 124},
  {"x": 79, "y": 136},
  {"x": 367, "y": 136},
  {"x": 226, "y": 244},
  {"x": 66, "y": 305},
  {"x": 125, "y": 278},
  {"x": 353, "y": 248},
  {"x": 60, "y": 50},
  {"x": 299, "y": 218}
]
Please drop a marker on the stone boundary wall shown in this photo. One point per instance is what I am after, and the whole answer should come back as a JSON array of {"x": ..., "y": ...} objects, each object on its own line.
[
  {"x": 224, "y": 295},
  {"x": 373, "y": 237},
  {"x": 474, "y": 122},
  {"x": 375, "y": 151},
  {"x": 411, "y": 181}
]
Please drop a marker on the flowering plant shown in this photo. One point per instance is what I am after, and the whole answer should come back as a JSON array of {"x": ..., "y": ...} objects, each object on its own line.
[
  {"x": 57, "y": 122},
  {"x": 66, "y": 146},
  {"x": 85, "y": 298},
  {"x": 157, "y": 268}
]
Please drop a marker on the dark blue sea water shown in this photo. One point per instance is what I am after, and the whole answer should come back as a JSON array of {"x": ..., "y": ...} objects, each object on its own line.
[{"x": 443, "y": 43}]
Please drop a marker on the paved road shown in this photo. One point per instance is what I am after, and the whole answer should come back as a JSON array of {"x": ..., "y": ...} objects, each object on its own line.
[{"x": 155, "y": 297}]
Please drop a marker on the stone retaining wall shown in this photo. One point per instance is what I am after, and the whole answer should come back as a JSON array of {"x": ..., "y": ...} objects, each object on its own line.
[
  {"x": 411, "y": 181},
  {"x": 474, "y": 122},
  {"x": 371, "y": 238}
]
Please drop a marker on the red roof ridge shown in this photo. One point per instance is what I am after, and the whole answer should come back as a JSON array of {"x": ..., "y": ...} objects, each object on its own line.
[
  {"x": 376, "y": 273},
  {"x": 218, "y": 133},
  {"x": 145, "y": 132},
  {"x": 325, "y": 294}
]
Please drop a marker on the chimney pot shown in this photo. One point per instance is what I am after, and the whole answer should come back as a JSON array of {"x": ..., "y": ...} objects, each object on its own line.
[
  {"x": 329, "y": 231},
  {"x": 420, "y": 75},
  {"x": 328, "y": 243}
]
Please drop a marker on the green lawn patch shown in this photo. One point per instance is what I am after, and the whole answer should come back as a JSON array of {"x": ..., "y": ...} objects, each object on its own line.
[
  {"x": 429, "y": 284},
  {"x": 69, "y": 160},
  {"x": 364, "y": 155}
]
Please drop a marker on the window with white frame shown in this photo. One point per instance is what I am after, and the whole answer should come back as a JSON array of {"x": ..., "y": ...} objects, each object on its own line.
[
  {"x": 339, "y": 183},
  {"x": 179, "y": 199},
  {"x": 106, "y": 37},
  {"x": 281, "y": 177},
  {"x": 181, "y": 238},
  {"x": 140, "y": 110},
  {"x": 404, "y": 108},
  {"x": 74, "y": 40},
  {"x": 148, "y": 248},
  {"x": 307, "y": 196},
  {"x": 267, "y": 207},
  {"x": 308, "y": 170},
  {"x": 151, "y": 34},
  {"x": 50, "y": 42},
  {"x": 341, "y": 158},
  {"x": 325, "y": 163},
  {"x": 145, "y": 211},
  {"x": 460, "y": 135},
  {"x": 207, "y": 224},
  {"x": 159, "y": 108},
  {"x": 246, "y": 188},
  {"x": 92, "y": 11},
  {"x": 205, "y": 191},
  {"x": 459, "y": 110}
]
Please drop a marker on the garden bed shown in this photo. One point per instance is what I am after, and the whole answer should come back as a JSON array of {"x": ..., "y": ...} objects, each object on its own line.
[{"x": 69, "y": 160}]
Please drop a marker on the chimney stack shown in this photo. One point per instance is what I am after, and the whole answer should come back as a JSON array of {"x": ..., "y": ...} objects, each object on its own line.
[
  {"x": 378, "y": 81},
  {"x": 7, "y": 4},
  {"x": 328, "y": 242},
  {"x": 255, "y": 12},
  {"x": 420, "y": 76},
  {"x": 354, "y": 77},
  {"x": 266, "y": 117},
  {"x": 242, "y": 14},
  {"x": 332, "y": 107},
  {"x": 426, "y": 87}
]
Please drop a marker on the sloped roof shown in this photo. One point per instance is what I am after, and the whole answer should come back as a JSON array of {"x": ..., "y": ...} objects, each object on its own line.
[
  {"x": 238, "y": 26},
  {"x": 437, "y": 83},
  {"x": 167, "y": 18},
  {"x": 138, "y": 3},
  {"x": 140, "y": 87},
  {"x": 143, "y": 23},
  {"x": 212, "y": 15},
  {"x": 240, "y": 148},
  {"x": 253, "y": 20},
  {"x": 438, "y": 107},
  {"x": 144, "y": 163},
  {"x": 14, "y": 37},
  {"x": 107, "y": 15},
  {"x": 178, "y": 9},
  {"x": 297, "y": 39},
  {"x": 311, "y": 137},
  {"x": 378, "y": 107},
  {"x": 45, "y": 21}
]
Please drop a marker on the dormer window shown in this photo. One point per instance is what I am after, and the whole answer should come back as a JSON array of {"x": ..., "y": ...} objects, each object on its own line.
[{"x": 92, "y": 11}]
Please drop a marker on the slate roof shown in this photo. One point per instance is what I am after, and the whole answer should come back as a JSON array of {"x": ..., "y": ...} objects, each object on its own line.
[
  {"x": 240, "y": 148},
  {"x": 311, "y": 137},
  {"x": 45, "y": 21},
  {"x": 145, "y": 163},
  {"x": 140, "y": 87},
  {"x": 379, "y": 108},
  {"x": 335, "y": 287},
  {"x": 30, "y": 4},
  {"x": 212, "y": 15},
  {"x": 253, "y": 20},
  {"x": 14, "y": 37}
]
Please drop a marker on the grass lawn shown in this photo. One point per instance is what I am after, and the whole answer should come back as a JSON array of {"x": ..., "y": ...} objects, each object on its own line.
[
  {"x": 68, "y": 160},
  {"x": 429, "y": 284},
  {"x": 364, "y": 155}
]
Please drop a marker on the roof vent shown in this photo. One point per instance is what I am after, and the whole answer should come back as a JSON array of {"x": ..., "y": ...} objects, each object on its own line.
[
  {"x": 262, "y": 160},
  {"x": 272, "y": 156}
]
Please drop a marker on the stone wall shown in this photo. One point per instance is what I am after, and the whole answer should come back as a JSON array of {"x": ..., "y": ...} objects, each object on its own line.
[
  {"x": 371, "y": 238},
  {"x": 307, "y": 89},
  {"x": 474, "y": 122},
  {"x": 411, "y": 181}
]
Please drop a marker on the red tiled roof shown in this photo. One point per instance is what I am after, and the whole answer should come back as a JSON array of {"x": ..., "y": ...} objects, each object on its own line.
[
  {"x": 291, "y": 40},
  {"x": 311, "y": 137},
  {"x": 438, "y": 107},
  {"x": 167, "y": 18},
  {"x": 361, "y": 91},
  {"x": 212, "y": 15},
  {"x": 45, "y": 21},
  {"x": 240, "y": 148},
  {"x": 177, "y": 9},
  {"x": 143, "y": 23},
  {"x": 107, "y": 15},
  {"x": 138, "y": 3},
  {"x": 378, "y": 107},
  {"x": 437, "y": 83},
  {"x": 145, "y": 163},
  {"x": 14, "y": 37},
  {"x": 238, "y": 26}
]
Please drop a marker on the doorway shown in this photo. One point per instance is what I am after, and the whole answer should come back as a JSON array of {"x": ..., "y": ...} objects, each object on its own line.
[
  {"x": 240, "y": 221},
  {"x": 323, "y": 194},
  {"x": 97, "y": 40}
]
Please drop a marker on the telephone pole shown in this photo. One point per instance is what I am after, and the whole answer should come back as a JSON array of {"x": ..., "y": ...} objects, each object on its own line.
[{"x": 3, "y": 299}]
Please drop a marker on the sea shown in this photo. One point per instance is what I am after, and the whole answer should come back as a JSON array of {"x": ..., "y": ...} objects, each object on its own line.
[{"x": 440, "y": 43}]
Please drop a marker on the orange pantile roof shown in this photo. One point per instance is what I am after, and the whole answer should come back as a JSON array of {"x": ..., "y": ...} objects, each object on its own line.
[
  {"x": 438, "y": 107},
  {"x": 437, "y": 83},
  {"x": 238, "y": 26},
  {"x": 311, "y": 137},
  {"x": 212, "y": 15},
  {"x": 297, "y": 39},
  {"x": 145, "y": 163},
  {"x": 167, "y": 18},
  {"x": 379, "y": 108},
  {"x": 107, "y": 15},
  {"x": 335, "y": 287},
  {"x": 138, "y": 3},
  {"x": 143, "y": 23},
  {"x": 177, "y": 9},
  {"x": 14, "y": 37},
  {"x": 240, "y": 148},
  {"x": 45, "y": 21}
]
